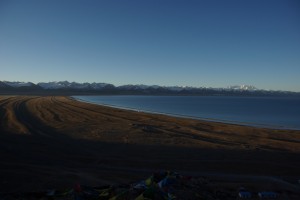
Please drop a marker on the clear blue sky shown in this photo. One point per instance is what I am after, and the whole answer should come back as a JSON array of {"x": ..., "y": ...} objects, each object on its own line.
[{"x": 166, "y": 42}]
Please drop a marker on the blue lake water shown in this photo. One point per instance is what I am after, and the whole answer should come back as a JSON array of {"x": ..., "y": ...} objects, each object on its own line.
[{"x": 276, "y": 112}]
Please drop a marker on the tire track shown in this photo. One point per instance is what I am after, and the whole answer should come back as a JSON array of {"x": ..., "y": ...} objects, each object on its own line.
[
  {"x": 10, "y": 122},
  {"x": 92, "y": 110},
  {"x": 64, "y": 106},
  {"x": 30, "y": 121}
]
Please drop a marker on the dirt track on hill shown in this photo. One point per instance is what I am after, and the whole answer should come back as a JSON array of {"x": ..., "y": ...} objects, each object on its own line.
[{"x": 49, "y": 142}]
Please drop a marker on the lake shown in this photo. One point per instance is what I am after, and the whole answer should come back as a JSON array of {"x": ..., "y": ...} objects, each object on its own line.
[{"x": 275, "y": 112}]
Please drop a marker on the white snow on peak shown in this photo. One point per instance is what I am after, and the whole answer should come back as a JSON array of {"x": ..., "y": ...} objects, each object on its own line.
[
  {"x": 51, "y": 85},
  {"x": 18, "y": 84},
  {"x": 73, "y": 85},
  {"x": 242, "y": 87}
]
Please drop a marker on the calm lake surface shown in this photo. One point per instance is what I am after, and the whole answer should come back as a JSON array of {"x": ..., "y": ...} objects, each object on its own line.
[{"x": 276, "y": 112}]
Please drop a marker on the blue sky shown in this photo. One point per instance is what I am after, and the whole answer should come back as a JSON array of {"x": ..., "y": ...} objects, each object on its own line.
[{"x": 166, "y": 42}]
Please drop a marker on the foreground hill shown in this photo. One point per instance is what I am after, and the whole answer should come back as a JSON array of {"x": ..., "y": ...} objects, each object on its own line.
[{"x": 49, "y": 142}]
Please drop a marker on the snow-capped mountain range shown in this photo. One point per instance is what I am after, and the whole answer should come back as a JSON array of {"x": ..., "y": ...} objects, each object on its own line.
[
  {"x": 130, "y": 89},
  {"x": 18, "y": 84},
  {"x": 72, "y": 85},
  {"x": 99, "y": 86}
]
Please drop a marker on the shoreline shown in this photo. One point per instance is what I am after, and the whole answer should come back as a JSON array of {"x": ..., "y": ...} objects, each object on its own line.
[{"x": 229, "y": 122}]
